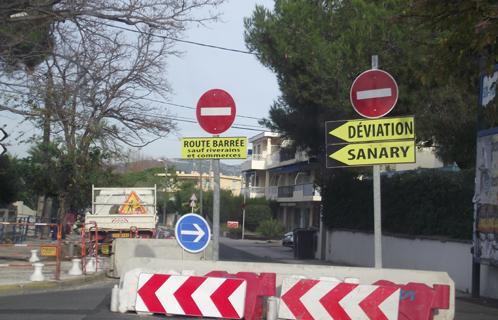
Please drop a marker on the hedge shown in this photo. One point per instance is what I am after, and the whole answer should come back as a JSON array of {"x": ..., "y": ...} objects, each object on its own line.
[{"x": 431, "y": 203}]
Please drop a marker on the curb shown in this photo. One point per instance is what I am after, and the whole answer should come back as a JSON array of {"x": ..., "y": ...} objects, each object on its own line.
[{"x": 31, "y": 287}]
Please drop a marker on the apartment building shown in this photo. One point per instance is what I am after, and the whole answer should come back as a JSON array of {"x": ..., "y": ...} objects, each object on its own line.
[{"x": 278, "y": 171}]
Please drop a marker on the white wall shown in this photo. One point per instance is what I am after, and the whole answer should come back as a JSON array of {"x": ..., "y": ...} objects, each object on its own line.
[{"x": 357, "y": 248}]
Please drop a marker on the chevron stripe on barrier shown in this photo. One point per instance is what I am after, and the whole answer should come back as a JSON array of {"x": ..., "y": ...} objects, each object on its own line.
[{"x": 308, "y": 299}]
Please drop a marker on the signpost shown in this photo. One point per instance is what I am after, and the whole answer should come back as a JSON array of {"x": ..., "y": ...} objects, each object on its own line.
[
  {"x": 374, "y": 93},
  {"x": 215, "y": 113},
  {"x": 193, "y": 200},
  {"x": 192, "y": 233},
  {"x": 3, "y": 135}
]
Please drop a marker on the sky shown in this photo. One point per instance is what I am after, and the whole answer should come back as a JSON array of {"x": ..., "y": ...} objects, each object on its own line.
[{"x": 252, "y": 86}]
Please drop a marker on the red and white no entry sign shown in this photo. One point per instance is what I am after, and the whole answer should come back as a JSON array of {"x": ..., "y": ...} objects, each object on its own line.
[
  {"x": 215, "y": 111},
  {"x": 374, "y": 93}
]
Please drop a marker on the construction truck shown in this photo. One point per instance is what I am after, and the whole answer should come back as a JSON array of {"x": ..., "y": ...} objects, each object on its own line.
[{"x": 122, "y": 213}]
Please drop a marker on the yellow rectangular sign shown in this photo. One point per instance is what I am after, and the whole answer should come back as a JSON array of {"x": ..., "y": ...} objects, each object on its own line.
[
  {"x": 366, "y": 154},
  {"x": 48, "y": 251},
  {"x": 121, "y": 235},
  {"x": 364, "y": 130},
  {"x": 214, "y": 148}
]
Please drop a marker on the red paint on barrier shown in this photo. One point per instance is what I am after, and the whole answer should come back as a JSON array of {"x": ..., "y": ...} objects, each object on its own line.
[
  {"x": 331, "y": 300},
  {"x": 258, "y": 287},
  {"x": 148, "y": 292},
  {"x": 184, "y": 296},
  {"x": 418, "y": 301},
  {"x": 370, "y": 305}
]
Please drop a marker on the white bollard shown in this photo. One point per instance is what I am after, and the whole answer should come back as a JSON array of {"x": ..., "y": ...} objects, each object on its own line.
[
  {"x": 91, "y": 265},
  {"x": 115, "y": 298},
  {"x": 34, "y": 256},
  {"x": 37, "y": 274},
  {"x": 272, "y": 308},
  {"x": 75, "y": 268}
]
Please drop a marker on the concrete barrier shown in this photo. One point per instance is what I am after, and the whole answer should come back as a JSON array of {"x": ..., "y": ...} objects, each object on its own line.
[
  {"x": 134, "y": 266},
  {"x": 125, "y": 249}
]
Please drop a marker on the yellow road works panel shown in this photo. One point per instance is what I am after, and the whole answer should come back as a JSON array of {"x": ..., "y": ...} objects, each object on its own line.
[
  {"x": 365, "y": 154},
  {"x": 132, "y": 205},
  {"x": 214, "y": 148},
  {"x": 364, "y": 130}
]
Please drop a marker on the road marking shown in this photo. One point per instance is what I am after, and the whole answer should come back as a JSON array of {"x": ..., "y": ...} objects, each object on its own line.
[
  {"x": 375, "y": 93},
  {"x": 213, "y": 112}
]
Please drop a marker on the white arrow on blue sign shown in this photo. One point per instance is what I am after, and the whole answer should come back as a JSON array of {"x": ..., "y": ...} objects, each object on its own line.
[{"x": 192, "y": 233}]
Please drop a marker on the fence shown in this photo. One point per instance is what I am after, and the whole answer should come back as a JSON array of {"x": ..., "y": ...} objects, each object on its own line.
[
  {"x": 89, "y": 244},
  {"x": 18, "y": 240}
]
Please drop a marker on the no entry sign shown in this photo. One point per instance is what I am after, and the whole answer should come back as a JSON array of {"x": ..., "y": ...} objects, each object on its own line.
[
  {"x": 374, "y": 93},
  {"x": 215, "y": 111}
]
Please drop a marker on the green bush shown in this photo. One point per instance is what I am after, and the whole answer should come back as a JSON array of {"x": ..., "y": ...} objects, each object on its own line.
[
  {"x": 235, "y": 233},
  {"x": 270, "y": 228},
  {"x": 418, "y": 203},
  {"x": 255, "y": 214}
]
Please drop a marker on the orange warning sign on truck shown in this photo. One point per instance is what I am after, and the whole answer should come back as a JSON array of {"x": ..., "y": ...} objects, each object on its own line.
[{"x": 132, "y": 205}]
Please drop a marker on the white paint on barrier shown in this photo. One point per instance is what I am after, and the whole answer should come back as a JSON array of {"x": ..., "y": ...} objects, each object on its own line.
[
  {"x": 166, "y": 294},
  {"x": 204, "y": 292},
  {"x": 351, "y": 302},
  {"x": 139, "y": 303},
  {"x": 312, "y": 299}
]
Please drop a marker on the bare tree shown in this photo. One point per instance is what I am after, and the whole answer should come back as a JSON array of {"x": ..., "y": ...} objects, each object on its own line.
[{"x": 91, "y": 92}]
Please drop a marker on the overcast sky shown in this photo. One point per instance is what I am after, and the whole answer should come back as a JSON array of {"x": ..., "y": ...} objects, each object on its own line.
[{"x": 252, "y": 86}]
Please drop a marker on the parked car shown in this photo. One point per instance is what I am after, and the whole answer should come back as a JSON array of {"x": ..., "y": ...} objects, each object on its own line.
[
  {"x": 288, "y": 239},
  {"x": 165, "y": 233}
]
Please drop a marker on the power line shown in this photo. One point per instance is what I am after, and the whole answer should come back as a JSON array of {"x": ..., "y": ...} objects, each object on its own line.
[
  {"x": 192, "y": 108},
  {"x": 179, "y": 40}
]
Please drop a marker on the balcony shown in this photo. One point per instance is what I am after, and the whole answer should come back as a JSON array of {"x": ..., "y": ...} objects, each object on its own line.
[
  {"x": 283, "y": 158},
  {"x": 254, "y": 162},
  {"x": 295, "y": 193},
  {"x": 254, "y": 192}
]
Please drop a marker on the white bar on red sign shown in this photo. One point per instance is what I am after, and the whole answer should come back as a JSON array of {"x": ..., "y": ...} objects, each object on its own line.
[
  {"x": 216, "y": 111},
  {"x": 309, "y": 299},
  {"x": 191, "y": 296},
  {"x": 374, "y": 93}
]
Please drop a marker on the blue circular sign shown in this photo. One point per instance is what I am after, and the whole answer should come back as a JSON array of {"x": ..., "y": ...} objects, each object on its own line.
[{"x": 192, "y": 233}]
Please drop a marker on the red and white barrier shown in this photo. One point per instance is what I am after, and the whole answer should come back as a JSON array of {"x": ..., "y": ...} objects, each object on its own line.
[
  {"x": 191, "y": 295},
  {"x": 317, "y": 299}
]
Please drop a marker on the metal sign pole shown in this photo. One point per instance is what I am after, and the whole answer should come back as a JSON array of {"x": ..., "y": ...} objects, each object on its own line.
[
  {"x": 216, "y": 209},
  {"x": 377, "y": 199}
]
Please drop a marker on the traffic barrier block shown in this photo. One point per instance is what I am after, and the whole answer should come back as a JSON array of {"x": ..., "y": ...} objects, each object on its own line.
[
  {"x": 258, "y": 288},
  {"x": 418, "y": 301}
]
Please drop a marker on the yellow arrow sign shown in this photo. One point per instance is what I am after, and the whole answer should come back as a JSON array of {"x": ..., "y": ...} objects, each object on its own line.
[
  {"x": 362, "y": 130},
  {"x": 365, "y": 154}
]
